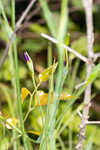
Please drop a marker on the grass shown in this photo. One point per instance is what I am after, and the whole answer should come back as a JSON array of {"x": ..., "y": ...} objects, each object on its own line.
[
  {"x": 61, "y": 34},
  {"x": 53, "y": 125}
]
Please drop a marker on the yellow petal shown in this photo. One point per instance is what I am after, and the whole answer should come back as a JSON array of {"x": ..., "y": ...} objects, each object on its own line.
[
  {"x": 24, "y": 93},
  {"x": 12, "y": 121},
  {"x": 34, "y": 132},
  {"x": 41, "y": 98},
  {"x": 45, "y": 75},
  {"x": 66, "y": 96}
]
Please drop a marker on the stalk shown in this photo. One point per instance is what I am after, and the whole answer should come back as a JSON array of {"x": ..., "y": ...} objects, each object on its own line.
[
  {"x": 19, "y": 106},
  {"x": 59, "y": 83}
]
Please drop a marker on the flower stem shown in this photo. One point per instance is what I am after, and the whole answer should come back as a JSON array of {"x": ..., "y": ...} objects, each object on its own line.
[{"x": 19, "y": 106}]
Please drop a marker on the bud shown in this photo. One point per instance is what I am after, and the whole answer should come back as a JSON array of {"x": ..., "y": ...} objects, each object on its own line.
[
  {"x": 26, "y": 56},
  {"x": 29, "y": 61}
]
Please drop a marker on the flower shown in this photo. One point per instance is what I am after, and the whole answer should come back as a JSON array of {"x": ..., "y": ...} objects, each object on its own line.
[
  {"x": 29, "y": 62},
  {"x": 12, "y": 122},
  {"x": 26, "y": 56}
]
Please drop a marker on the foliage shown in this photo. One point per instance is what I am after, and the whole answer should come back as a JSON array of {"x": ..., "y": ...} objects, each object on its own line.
[{"x": 49, "y": 101}]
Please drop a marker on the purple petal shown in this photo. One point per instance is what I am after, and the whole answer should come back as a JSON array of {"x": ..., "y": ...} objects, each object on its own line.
[{"x": 26, "y": 56}]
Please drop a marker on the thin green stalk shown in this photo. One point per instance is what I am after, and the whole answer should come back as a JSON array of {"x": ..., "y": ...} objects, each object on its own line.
[
  {"x": 72, "y": 78},
  {"x": 54, "y": 108},
  {"x": 3, "y": 12},
  {"x": 44, "y": 141},
  {"x": 11, "y": 60},
  {"x": 36, "y": 88},
  {"x": 19, "y": 106},
  {"x": 13, "y": 140},
  {"x": 4, "y": 130},
  {"x": 61, "y": 143},
  {"x": 49, "y": 55},
  {"x": 12, "y": 72},
  {"x": 61, "y": 128},
  {"x": 15, "y": 143},
  {"x": 48, "y": 16},
  {"x": 94, "y": 74},
  {"x": 70, "y": 138},
  {"x": 89, "y": 144},
  {"x": 13, "y": 14},
  {"x": 59, "y": 84}
]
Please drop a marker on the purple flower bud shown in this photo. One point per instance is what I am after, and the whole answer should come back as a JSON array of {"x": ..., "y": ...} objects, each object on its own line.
[{"x": 26, "y": 56}]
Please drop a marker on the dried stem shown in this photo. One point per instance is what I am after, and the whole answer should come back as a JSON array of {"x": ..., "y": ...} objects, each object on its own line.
[
  {"x": 80, "y": 85},
  {"x": 93, "y": 122},
  {"x": 87, "y": 97},
  {"x": 83, "y": 58},
  {"x": 96, "y": 56},
  {"x": 25, "y": 13}
]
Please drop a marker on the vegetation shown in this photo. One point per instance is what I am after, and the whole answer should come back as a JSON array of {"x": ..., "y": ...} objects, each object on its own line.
[{"x": 49, "y": 75}]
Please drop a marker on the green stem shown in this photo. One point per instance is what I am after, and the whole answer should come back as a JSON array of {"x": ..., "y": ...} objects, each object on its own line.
[
  {"x": 54, "y": 107},
  {"x": 48, "y": 16},
  {"x": 11, "y": 60},
  {"x": 36, "y": 88},
  {"x": 44, "y": 141},
  {"x": 70, "y": 138},
  {"x": 61, "y": 143},
  {"x": 19, "y": 106},
  {"x": 59, "y": 84},
  {"x": 3, "y": 13},
  {"x": 49, "y": 55},
  {"x": 73, "y": 77},
  {"x": 13, "y": 14}
]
